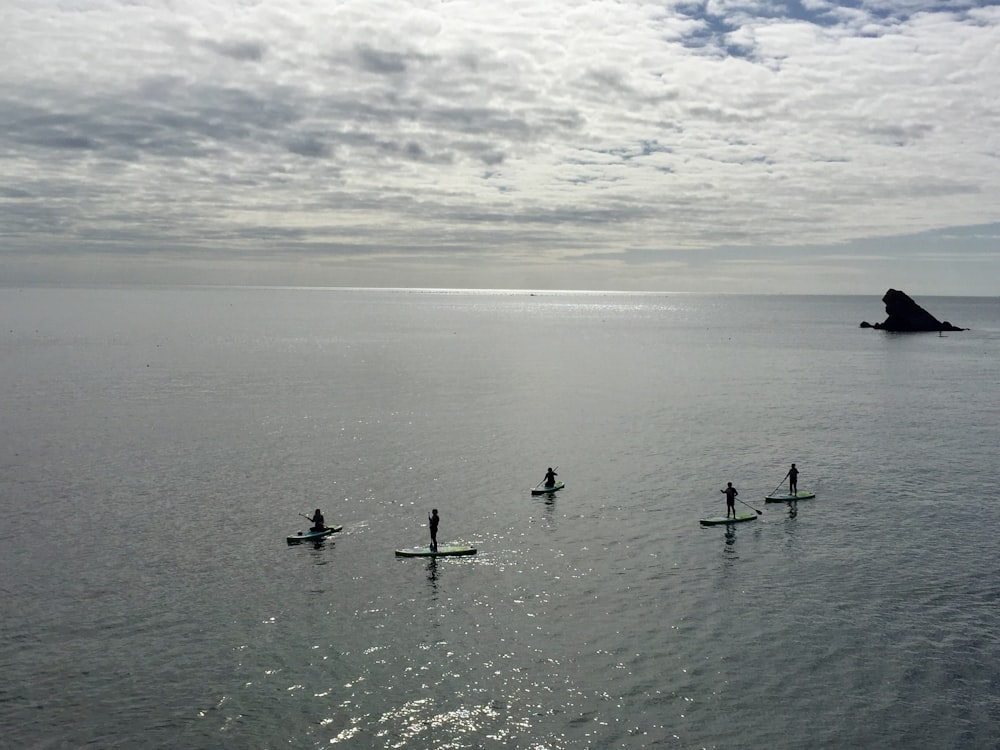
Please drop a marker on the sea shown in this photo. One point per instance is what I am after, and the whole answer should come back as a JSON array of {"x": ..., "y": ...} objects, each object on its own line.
[{"x": 160, "y": 444}]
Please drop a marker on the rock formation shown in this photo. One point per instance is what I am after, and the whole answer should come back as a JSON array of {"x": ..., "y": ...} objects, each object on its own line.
[{"x": 907, "y": 316}]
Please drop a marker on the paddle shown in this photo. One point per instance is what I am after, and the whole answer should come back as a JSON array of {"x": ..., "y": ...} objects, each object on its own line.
[
  {"x": 759, "y": 513},
  {"x": 779, "y": 484},
  {"x": 543, "y": 479}
]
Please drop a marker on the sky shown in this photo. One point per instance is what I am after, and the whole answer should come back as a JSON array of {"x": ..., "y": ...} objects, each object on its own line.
[{"x": 721, "y": 146}]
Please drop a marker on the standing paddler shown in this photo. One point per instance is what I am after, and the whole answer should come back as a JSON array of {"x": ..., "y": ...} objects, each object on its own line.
[
  {"x": 793, "y": 481},
  {"x": 432, "y": 523},
  {"x": 730, "y": 493}
]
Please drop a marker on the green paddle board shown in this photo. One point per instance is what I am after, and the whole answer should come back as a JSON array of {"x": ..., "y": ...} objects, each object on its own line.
[
  {"x": 722, "y": 519},
  {"x": 313, "y": 536},
  {"x": 546, "y": 490},
  {"x": 443, "y": 550},
  {"x": 784, "y": 497}
]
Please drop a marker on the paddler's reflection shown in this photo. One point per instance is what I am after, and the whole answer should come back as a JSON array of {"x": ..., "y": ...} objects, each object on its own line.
[
  {"x": 730, "y": 536},
  {"x": 432, "y": 572}
]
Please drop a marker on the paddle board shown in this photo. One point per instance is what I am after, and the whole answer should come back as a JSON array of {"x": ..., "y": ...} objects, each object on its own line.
[
  {"x": 782, "y": 497},
  {"x": 546, "y": 490},
  {"x": 443, "y": 550},
  {"x": 722, "y": 519},
  {"x": 312, "y": 536}
]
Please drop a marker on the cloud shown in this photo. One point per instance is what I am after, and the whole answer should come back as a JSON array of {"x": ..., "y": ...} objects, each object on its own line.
[{"x": 499, "y": 134}]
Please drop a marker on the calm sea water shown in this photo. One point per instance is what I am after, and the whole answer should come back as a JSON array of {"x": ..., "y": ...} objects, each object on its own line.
[{"x": 159, "y": 444}]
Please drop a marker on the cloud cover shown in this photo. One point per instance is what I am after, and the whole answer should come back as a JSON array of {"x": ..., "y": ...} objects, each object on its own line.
[{"x": 728, "y": 144}]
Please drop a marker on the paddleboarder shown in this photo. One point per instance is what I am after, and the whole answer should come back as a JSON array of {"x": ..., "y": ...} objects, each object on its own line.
[
  {"x": 793, "y": 480},
  {"x": 730, "y": 493},
  {"x": 319, "y": 523},
  {"x": 550, "y": 478},
  {"x": 432, "y": 523}
]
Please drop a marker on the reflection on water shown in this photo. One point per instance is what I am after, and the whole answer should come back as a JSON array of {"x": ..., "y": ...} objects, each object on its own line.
[
  {"x": 422, "y": 720},
  {"x": 549, "y": 510},
  {"x": 432, "y": 576}
]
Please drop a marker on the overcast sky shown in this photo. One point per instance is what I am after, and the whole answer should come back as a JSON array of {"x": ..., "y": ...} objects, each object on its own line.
[{"x": 725, "y": 145}]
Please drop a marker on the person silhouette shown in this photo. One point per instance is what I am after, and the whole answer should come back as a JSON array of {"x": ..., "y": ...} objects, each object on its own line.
[
  {"x": 730, "y": 493},
  {"x": 793, "y": 480},
  {"x": 319, "y": 523},
  {"x": 550, "y": 478},
  {"x": 432, "y": 523}
]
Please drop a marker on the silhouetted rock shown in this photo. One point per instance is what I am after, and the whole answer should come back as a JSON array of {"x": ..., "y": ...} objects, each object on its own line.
[{"x": 907, "y": 316}]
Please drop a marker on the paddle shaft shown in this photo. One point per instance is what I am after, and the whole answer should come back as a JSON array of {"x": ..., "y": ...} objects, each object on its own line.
[
  {"x": 780, "y": 483},
  {"x": 759, "y": 513}
]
